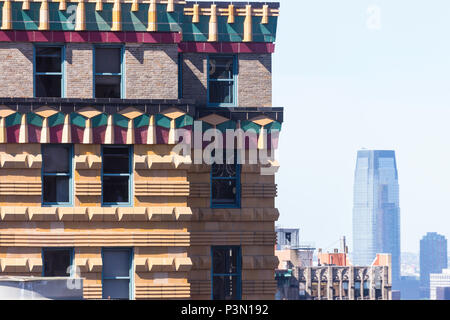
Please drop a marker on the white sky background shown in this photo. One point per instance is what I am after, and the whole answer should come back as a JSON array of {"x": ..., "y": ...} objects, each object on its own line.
[{"x": 349, "y": 78}]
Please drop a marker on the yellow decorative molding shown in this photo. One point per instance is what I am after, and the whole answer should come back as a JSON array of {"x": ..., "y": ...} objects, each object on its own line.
[
  {"x": 18, "y": 265},
  {"x": 89, "y": 264},
  {"x": 161, "y": 188},
  {"x": 248, "y": 32},
  {"x": 259, "y": 262},
  {"x": 44, "y": 16},
  {"x": 106, "y": 214},
  {"x": 259, "y": 190},
  {"x": 116, "y": 16},
  {"x": 135, "y": 6},
  {"x": 156, "y": 291},
  {"x": 26, "y": 5},
  {"x": 62, "y": 5},
  {"x": 156, "y": 162},
  {"x": 80, "y": 21},
  {"x": 20, "y": 188},
  {"x": 88, "y": 188},
  {"x": 235, "y": 215},
  {"x": 213, "y": 34},
  {"x": 152, "y": 17},
  {"x": 95, "y": 238},
  {"x": 200, "y": 190},
  {"x": 20, "y": 161},
  {"x": 6, "y": 15},
  {"x": 88, "y": 162},
  {"x": 157, "y": 264}
]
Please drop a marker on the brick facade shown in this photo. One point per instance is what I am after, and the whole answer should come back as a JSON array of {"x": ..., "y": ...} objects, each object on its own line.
[
  {"x": 79, "y": 73},
  {"x": 16, "y": 65}
]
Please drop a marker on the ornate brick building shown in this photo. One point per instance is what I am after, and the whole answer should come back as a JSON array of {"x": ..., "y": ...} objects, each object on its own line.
[{"x": 93, "y": 95}]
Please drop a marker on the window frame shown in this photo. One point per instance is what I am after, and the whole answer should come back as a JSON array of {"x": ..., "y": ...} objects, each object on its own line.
[
  {"x": 63, "y": 68},
  {"x": 237, "y": 178},
  {"x": 122, "y": 67},
  {"x": 72, "y": 258},
  {"x": 235, "y": 80},
  {"x": 130, "y": 277},
  {"x": 70, "y": 175},
  {"x": 238, "y": 274},
  {"x": 130, "y": 176},
  {"x": 180, "y": 75}
]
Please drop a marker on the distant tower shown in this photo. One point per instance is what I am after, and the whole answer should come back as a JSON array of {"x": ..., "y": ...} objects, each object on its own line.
[
  {"x": 433, "y": 259},
  {"x": 376, "y": 211}
]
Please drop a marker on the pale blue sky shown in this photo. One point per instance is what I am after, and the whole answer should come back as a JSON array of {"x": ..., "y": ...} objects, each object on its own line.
[{"x": 345, "y": 86}]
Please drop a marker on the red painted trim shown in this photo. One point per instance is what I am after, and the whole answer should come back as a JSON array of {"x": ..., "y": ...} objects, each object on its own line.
[
  {"x": 135, "y": 37},
  {"x": 226, "y": 47},
  {"x": 89, "y": 36}
]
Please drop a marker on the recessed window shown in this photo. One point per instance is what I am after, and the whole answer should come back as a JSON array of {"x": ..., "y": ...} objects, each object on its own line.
[
  {"x": 57, "y": 262},
  {"x": 226, "y": 273},
  {"x": 48, "y": 72},
  {"x": 57, "y": 174},
  {"x": 108, "y": 72},
  {"x": 116, "y": 274},
  {"x": 221, "y": 80},
  {"x": 225, "y": 184},
  {"x": 116, "y": 177}
]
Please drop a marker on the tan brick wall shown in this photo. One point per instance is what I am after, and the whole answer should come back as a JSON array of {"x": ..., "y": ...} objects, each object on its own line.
[
  {"x": 254, "y": 85},
  {"x": 151, "y": 71},
  {"x": 79, "y": 72},
  {"x": 16, "y": 70},
  {"x": 255, "y": 80},
  {"x": 195, "y": 77}
]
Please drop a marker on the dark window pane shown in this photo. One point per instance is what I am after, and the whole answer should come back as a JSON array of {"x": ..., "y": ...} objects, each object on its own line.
[
  {"x": 116, "y": 289},
  {"x": 107, "y": 86},
  {"x": 107, "y": 60},
  {"x": 224, "y": 191},
  {"x": 115, "y": 189},
  {"x": 116, "y": 160},
  {"x": 221, "y": 68},
  {"x": 224, "y": 170},
  {"x": 225, "y": 260},
  {"x": 56, "y": 189},
  {"x": 116, "y": 263},
  {"x": 225, "y": 288},
  {"x": 221, "y": 91},
  {"x": 48, "y": 59},
  {"x": 48, "y": 86},
  {"x": 56, "y": 159},
  {"x": 57, "y": 262}
]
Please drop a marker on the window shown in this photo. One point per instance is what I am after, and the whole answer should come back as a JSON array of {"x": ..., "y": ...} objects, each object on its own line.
[
  {"x": 222, "y": 80},
  {"x": 116, "y": 273},
  {"x": 57, "y": 262},
  {"x": 180, "y": 76},
  {"x": 226, "y": 273},
  {"x": 48, "y": 71},
  {"x": 288, "y": 238},
  {"x": 116, "y": 175},
  {"x": 225, "y": 184},
  {"x": 57, "y": 174},
  {"x": 108, "y": 72}
]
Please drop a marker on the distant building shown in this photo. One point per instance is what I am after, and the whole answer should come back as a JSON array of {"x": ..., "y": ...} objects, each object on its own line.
[
  {"x": 376, "y": 212},
  {"x": 439, "y": 280},
  {"x": 433, "y": 259},
  {"x": 291, "y": 255},
  {"x": 409, "y": 288},
  {"x": 443, "y": 293},
  {"x": 335, "y": 278}
]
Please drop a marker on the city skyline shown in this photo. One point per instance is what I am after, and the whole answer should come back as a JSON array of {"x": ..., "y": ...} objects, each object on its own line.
[{"x": 342, "y": 81}]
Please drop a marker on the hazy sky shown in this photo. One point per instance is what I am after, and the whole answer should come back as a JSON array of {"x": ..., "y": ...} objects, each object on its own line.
[
  {"x": 353, "y": 74},
  {"x": 349, "y": 79}
]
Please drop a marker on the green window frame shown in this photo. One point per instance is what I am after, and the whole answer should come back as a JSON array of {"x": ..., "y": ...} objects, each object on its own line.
[
  {"x": 106, "y": 80},
  {"x": 222, "y": 71},
  {"x": 48, "y": 74},
  {"x": 57, "y": 182},
  {"x": 226, "y": 184}
]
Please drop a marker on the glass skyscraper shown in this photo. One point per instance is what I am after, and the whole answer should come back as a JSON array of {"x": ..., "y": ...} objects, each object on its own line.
[
  {"x": 376, "y": 212},
  {"x": 433, "y": 259}
]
